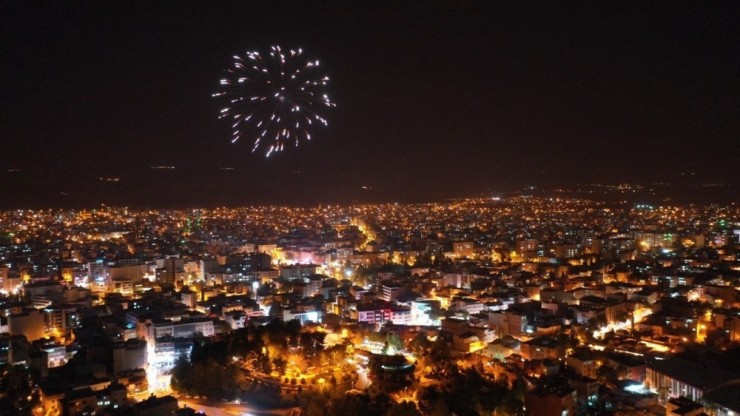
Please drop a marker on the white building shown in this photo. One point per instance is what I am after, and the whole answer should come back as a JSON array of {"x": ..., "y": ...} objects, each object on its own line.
[
  {"x": 98, "y": 276},
  {"x": 401, "y": 316},
  {"x": 421, "y": 312},
  {"x": 182, "y": 329}
]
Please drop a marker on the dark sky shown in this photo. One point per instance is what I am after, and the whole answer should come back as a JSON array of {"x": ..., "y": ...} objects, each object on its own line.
[{"x": 434, "y": 99}]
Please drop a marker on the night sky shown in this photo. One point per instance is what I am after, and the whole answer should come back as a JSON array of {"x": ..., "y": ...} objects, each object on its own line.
[{"x": 434, "y": 99}]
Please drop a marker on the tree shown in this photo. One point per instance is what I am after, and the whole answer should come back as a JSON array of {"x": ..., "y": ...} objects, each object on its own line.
[
  {"x": 238, "y": 343},
  {"x": 421, "y": 367},
  {"x": 18, "y": 388},
  {"x": 440, "y": 350},
  {"x": 313, "y": 404},
  {"x": 299, "y": 361},
  {"x": 279, "y": 365},
  {"x": 463, "y": 389},
  {"x": 350, "y": 404},
  {"x": 383, "y": 400},
  {"x": 314, "y": 409},
  {"x": 438, "y": 408},
  {"x": 420, "y": 343},
  {"x": 206, "y": 378},
  {"x": 312, "y": 343},
  {"x": 180, "y": 381},
  {"x": 405, "y": 408},
  {"x": 393, "y": 343}
]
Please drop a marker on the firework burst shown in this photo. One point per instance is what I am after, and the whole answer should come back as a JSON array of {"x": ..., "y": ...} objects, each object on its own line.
[{"x": 274, "y": 98}]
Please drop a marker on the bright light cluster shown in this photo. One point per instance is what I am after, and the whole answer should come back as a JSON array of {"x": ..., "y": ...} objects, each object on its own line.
[{"x": 274, "y": 98}]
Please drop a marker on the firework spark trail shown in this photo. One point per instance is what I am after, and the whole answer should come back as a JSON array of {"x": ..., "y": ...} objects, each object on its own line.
[{"x": 273, "y": 98}]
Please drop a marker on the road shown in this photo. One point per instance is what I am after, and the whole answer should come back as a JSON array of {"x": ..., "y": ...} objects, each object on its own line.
[{"x": 228, "y": 409}]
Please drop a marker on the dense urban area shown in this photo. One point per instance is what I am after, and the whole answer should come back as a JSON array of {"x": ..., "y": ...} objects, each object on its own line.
[{"x": 516, "y": 305}]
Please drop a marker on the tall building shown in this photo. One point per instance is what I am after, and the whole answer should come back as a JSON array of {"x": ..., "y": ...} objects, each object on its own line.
[
  {"x": 129, "y": 355},
  {"x": 132, "y": 272},
  {"x": 507, "y": 323},
  {"x": 463, "y": 249},
  {"x": 391, "y": 291},
  {"x": 528, "y": 248},
  {"x": 29, "y": 323},
  {"x": 205, "y": 267},
  {"x": 98, "y": 277},
  {"x": 169, "y": 270},
  {"x": 61, "y": 320},
  {"x": 9, "y": 282},
  {"x": 566, "y": 251}
]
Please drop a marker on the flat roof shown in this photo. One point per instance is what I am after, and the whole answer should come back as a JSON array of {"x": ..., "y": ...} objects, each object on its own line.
[{"x": 693, "y": 373}]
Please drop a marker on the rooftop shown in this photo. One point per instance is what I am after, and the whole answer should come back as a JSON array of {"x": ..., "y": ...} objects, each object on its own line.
[{"x": 695, "y": 374}]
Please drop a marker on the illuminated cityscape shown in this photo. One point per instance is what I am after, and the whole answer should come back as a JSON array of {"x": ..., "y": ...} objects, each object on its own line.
[
  {"x": 572, "y": 302},
  {"x": 345, "y": 208}
]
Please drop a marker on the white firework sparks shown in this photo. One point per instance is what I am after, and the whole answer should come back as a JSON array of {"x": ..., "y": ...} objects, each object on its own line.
[{"x": 273, "y": 97}]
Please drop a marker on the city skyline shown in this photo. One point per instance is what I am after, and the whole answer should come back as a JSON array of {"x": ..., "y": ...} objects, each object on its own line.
[
  {"x": 434, "y": 101},
  {"x": 537, "y": 306}
]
